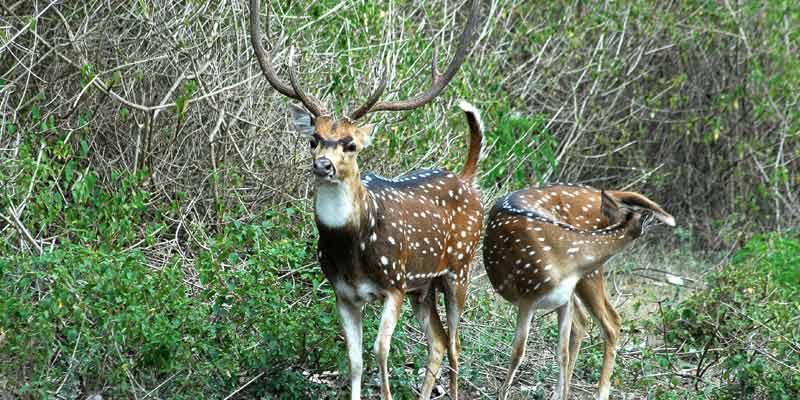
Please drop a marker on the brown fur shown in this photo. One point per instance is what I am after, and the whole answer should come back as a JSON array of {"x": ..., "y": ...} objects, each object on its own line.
[{"x": 540, "y": 238}]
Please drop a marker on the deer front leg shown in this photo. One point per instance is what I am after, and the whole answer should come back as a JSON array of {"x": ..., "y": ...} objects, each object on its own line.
[
  {"x": 391, "y": 313},
  {"x": 524, "y": 316},
  {"x": 564, "y": 330},
  {"x": 350, "y": 317},
  {"x": 611, "y": 327}
]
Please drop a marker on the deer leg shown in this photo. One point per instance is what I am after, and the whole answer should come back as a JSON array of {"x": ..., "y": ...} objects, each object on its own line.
[
  {"x": 592, "y": 294},
  {"x": 524, "y": 316},
  {"x": 350, "y": 317},
  {"x": 564, "y": 331},
  {"x": 389, "y": 317},
  {"x": 428, "y": 316},
  {"x": 576, "y": 336},
  {"x": 455, "y": 298},
  {"x": 611, "y": 327}
]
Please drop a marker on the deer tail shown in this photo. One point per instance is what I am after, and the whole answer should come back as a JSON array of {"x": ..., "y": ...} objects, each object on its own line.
[{"x": 475, "y": 139}]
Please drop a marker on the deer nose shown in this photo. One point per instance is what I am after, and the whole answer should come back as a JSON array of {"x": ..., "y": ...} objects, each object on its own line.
[{"x": 323, "y": 167}]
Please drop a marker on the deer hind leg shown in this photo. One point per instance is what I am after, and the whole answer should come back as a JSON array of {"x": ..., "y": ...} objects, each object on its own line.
[
  {"x": 576, "y": 336},
  {"x": 350, "y": 318},
  {"x": 564, "y": 338},
  {"x": 392, "y": 306},
  {"x": 592, "y": 294},
  {"x": 611, "y": 328},
  {"x": 428, "y": 316},
  {"x": 524, "y": 316},
  {"x": 455, "y": 298}
]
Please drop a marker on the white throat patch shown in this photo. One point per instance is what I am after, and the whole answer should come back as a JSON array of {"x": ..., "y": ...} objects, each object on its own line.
[{"x": 333, "y": 204}]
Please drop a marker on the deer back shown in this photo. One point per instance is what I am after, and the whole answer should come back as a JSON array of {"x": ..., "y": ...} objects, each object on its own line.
[{"x": 540, "y": 238}]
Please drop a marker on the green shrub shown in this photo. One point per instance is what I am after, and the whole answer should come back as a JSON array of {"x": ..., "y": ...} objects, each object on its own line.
[
  {"x": 101, "y": 320},
  {"x": 742, "y": 334},
  {"x": 522, "y": 153},
  {"x": 104, "y": 310}
]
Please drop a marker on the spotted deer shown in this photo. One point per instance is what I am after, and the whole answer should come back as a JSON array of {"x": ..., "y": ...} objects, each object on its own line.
[
  {"x": 383, "y": 239},
  {"x": 544, "y": 245}
]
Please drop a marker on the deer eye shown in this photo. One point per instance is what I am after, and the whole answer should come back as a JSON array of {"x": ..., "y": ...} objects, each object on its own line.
[
  {"x": 350, "y": 147},
  {"x": 313, "y": 143}
]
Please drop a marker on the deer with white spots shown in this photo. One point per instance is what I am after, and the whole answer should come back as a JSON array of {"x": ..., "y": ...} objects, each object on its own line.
[
  {"x": 383, "y": 239},
  {"x": 545, "y": 245}
]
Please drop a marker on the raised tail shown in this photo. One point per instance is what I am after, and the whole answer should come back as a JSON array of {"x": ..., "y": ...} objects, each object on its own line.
[{"x": 475, "y": 139}]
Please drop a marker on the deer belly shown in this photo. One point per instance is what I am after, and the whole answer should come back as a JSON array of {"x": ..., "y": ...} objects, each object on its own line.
[
  {"x": 359, "y": 291},
  {"x": 559, "y": 295}
]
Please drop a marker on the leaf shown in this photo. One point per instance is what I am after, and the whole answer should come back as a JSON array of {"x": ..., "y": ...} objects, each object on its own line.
[
  {"x": 35, "y": 113},
  {"x": 84, "y": 149}
]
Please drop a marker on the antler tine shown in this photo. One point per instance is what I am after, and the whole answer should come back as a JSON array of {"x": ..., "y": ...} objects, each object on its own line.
[
  {"x": 265, "y": 61},
  {"x": 438, "y": 81},
  {"x": 311, "y": 103},
  {"x": 372, "y": 99}
]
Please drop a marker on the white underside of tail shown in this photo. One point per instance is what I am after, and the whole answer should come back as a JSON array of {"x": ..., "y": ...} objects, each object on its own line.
[
  {"x": 469, "y": 108},
  {"x": 333, "y": 205}
]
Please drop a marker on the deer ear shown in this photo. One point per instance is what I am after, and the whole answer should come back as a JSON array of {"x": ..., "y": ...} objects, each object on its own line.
[
  {"x": 368, "y": 132},
  {"x": 302, "y": 120},
  {"x": 637, "y": 201},
  {"x": 609, "y": 206}
]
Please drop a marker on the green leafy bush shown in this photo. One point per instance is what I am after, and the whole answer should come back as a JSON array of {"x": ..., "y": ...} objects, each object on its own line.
[
  {"x": 523, "y": 153},
  {"x": 86, "y": 320},
  {"x": 96, "y": 318},
  {"x": 741, "y": 336},
  {"x": 103, "y": 310}
]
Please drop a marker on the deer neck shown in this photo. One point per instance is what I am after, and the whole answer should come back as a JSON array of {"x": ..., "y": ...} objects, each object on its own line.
[
  {"x": 339, "y": 205},
  {"x": 621, "y": 239},
  {"x": 605, "y": 243}
]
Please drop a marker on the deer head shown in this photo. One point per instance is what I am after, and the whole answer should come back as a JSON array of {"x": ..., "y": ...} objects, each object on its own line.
[
  {"x": 634, "y": 211},
  {"x": 335, "y": 143}
]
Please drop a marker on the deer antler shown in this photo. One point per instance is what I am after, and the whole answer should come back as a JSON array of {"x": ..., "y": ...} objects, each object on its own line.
[
  {"x": 438, "y": 81},
  {"x": 371, "y": 100},
  {"x": 265, "y": 61}
]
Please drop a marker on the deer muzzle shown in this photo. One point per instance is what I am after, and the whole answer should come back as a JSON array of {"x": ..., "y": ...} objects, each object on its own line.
[{"x": 323, "y": 168}]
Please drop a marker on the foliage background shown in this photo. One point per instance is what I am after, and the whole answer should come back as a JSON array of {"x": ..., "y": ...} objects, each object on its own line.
[{"x": 155, "y": 226}]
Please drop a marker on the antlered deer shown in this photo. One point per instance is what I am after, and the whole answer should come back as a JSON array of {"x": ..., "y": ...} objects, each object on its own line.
[
  {"x": 543, "y": 245},
  {"x": 382, "y": 238}
]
